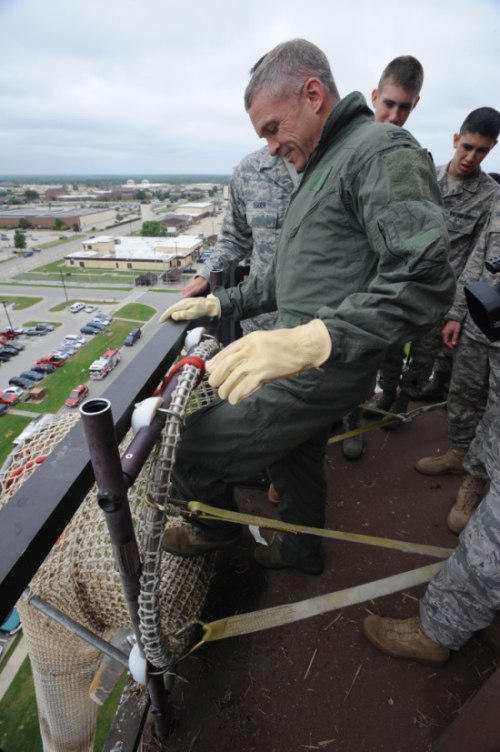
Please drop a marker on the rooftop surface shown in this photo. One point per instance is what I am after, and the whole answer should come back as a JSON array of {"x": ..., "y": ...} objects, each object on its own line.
[{"x": 319, "y": 684}]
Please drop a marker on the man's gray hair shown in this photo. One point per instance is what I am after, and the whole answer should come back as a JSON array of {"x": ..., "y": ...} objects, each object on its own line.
[{"x": 282, "y": 73}]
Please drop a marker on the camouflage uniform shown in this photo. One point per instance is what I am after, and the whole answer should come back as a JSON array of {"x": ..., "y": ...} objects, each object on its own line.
[
  {"x": 467, "y": 204},
  {"x": 465, "y": 596},
  {"x": 259, "y": 195},
  {"x": 475, "y": 381}
]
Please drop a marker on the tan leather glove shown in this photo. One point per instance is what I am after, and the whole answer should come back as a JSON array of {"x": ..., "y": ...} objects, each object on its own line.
[
  {"x": 261, "y": 357},
  {"x": 192, "y": 308}
]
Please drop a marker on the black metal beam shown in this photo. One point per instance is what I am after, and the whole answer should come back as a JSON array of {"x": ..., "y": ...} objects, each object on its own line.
[{"x": 34, "y": 518}]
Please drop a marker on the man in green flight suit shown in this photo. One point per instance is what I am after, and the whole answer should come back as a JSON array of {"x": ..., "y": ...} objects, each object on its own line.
[{"x": 361, "y": 263}]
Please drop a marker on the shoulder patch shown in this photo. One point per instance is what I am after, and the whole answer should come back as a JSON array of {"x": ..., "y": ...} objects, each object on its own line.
[
  {"x": 317, "y": 179},
  {"x": 398, "y": 134},
  {"x": 408, "y": 171}
]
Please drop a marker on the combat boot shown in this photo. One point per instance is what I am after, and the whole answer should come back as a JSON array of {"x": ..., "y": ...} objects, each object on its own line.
[
  {"x": 400, "y": 405},
  {"x": 404, "y": 638},
  {"x": 451, "y": 462},
  {"x": 436, "y": 390},
  {"x": 383, "y": 402},
  {"x": 353, "y": 446},
  {"x": 273, "y": 497},
  {"x": 193, "y": 540},
  {"x": 468, "y": 498}
]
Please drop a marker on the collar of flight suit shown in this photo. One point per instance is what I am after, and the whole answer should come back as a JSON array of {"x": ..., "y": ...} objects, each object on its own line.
[{"x": 351, "y": 107}]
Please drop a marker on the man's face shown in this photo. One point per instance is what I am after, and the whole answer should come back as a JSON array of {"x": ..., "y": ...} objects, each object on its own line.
[
  {"x": 470, "y": 150},
  {"x": 291, "y": 129},
  {"x": 393, "y": 104}
]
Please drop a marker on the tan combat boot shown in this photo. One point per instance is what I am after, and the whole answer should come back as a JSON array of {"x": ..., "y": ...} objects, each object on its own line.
[
  {"x": 404, "y": 638},
  {"x": 451, "y": 462},
  {"x": 468, "y": 498},
  {"x": 273, "y": 495}
]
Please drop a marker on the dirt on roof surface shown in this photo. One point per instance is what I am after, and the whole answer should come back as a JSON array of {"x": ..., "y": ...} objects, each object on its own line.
[{"x": 319, "y": 684}]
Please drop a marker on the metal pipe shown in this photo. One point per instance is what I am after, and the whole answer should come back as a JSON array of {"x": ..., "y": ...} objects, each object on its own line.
[
  {"x": 216, "y": 279},
  {"x": 75, "y": 628},
  {"x": 101, "y": 438}
]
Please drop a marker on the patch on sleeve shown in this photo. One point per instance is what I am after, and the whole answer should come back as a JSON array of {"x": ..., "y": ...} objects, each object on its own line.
[
  {"x": 317, "y": 179},
  {"x": 420, "y": 241},
  {"x": 398, "y": 134},
  {"x": 408, "y": 171}
]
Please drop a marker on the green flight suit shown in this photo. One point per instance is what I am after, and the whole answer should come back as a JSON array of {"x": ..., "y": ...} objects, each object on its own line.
[{"x": 364, "y": 247}]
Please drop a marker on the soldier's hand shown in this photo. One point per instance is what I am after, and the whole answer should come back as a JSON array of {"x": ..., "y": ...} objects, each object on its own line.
[
  {"x": 192, "y": 308},
  {"x": 450, "y": 333},
  {"x": 261, "y": 357},
  {"x": 197, "y": 285}
]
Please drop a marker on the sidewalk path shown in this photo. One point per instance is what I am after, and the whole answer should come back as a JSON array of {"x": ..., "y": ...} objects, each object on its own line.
[{"x": 13, "y": 665}]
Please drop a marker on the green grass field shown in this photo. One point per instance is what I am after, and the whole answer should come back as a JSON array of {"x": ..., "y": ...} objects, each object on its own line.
[
  {"x": 11, "y": 426},
  {"x": 19, "y": 728},
  {"x": 34, "y": 323},
  {"x": 67, "y": 303},
  {"x": 22, "y": 302},
  {"x": 136, "y": 312},
  {"x": 76, "y": 369}
]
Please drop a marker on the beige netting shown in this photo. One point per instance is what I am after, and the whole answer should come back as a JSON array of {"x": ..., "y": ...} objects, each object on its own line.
[{"x": 80, "y": 578}]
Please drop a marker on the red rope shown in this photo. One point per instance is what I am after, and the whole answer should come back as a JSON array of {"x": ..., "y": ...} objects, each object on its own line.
[{"x": 192, "y": 360}]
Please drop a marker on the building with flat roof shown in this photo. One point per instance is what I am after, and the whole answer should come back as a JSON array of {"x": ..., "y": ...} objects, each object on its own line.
[
  {"x": 39, "y": 216},
  {"x": 197, "y": 210},
  {"x": 108, "y": 252}
]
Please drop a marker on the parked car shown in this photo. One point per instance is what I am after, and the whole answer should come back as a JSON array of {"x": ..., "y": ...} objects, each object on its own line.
[
  {"x": 51, "y": 360},
  {"x": 24, "y": 383},
  {"x": 5, "y": 356},
  {"x": 32, "y": 375},
  {"x": 76, "y": 307},
  {"x": 74, "y": 338},
  {"x": 11, "y": 350},
  {"x": 97, "y": 324},
  {"x": 7, "y": 398},
  {"x": 33, "y": 331},
  {"x": 188, "y": 269},
  {"x": 89, "y": 329},
  {"x": 66, "y": 348},
  {"x": 91, "y": 309},
  {"x": 3, "y": 408},
  {"x": 11, "y": 333},
  {"x": 47, "y": 327},
  {"x": 43, "y": 368},
  {"x": 104, "y": 317},
  {"x": 15, "y": 390},
  {"x": 27, "y": 254},
  {"x": 16, "y": 345},
  {"x": 77, "y": 395},
  {"x": 132, "y": 336}
]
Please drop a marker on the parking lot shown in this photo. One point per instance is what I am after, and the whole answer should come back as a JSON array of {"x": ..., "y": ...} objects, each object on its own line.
[{"x": 39, "y": 346}]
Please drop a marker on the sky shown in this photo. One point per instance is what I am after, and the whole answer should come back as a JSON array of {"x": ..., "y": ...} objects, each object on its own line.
[{"x": 156, "y": 87}]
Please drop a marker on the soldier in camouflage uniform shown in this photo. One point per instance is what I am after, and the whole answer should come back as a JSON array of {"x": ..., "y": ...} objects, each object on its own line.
[
  {"x": 259, "y": 194},
  {"x": 467, "y": 194},
  {"x": 475, "y": 382},
  {"x": 463, "y": 598}
]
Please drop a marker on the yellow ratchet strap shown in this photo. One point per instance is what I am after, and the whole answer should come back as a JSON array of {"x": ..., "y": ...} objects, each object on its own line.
[
  {"x": 211, "y": 513},
  {"x": 240, "y": 624},
  {"x": 391, "y": 418}
]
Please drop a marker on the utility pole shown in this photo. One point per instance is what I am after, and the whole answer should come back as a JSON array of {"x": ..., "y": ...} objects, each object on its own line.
[
  {"x": 62, "y": 280},
  {"x": 7, "y": 314}
]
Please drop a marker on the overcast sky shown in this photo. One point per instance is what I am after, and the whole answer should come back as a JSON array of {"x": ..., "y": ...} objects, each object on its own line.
[{"x": 154, "y": 86}]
